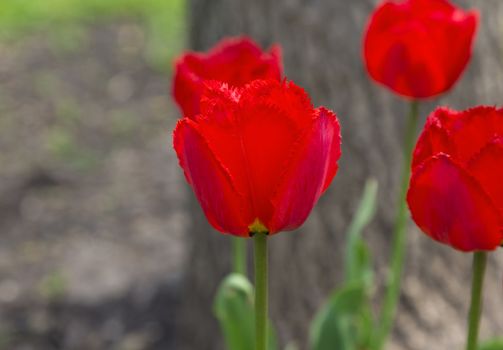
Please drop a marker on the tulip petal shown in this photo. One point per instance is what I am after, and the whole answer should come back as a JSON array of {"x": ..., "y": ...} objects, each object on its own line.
[
  {"x": 313, "y": 165},
  {"x": 472, "y": 129},
  {"x": 187, "y": 85},
  {"x": 453, "y": 30},
  {"x": 487, "y": 168},
  {"x": 273, "y": 117},
  {"x": 438, "y": 6},
  {"x": 217, "y": 125},
  {"x": 419, "y": 48},
  {"x": 433, "y": 140},
  {"x": 258, "y": 156},
  {"x": 236, "y": 61},
  {"x": 224, "y": 206},
  {"x": 400, "y": 54},
  {"x": 464, "y": 29},
  {"x": 253, "y": 131},
  {"x": 450, "y": 206},
  {"x": 413, "y": 73},
  {"x": 334, "y": 152}
]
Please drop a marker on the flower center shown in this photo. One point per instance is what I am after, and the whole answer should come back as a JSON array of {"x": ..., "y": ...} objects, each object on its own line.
[{"x": 257, "y": 227}]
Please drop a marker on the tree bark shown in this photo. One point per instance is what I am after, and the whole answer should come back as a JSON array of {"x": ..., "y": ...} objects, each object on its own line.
[{"x": 322, "y": 52}]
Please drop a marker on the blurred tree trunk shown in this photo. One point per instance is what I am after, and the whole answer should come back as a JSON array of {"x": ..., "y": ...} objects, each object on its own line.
[{"x": 322, "y": 50}]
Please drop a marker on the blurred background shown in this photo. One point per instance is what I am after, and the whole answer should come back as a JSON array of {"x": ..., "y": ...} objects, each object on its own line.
[
  {"x": 102, "y": 243},
  {"x": 91, "y": 196}
]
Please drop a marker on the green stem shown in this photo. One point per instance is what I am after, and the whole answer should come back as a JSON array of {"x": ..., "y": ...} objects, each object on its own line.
[
  {"x": 479, "y": 268},
  {"x": 261, "y": 307},
  {"x": 398, "y": 248},
  {"x": 239, "y": 255}
]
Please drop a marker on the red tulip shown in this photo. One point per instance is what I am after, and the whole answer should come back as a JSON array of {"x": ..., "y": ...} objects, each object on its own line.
[
  {"x": 258, "y": 157},
  {"x": 456, "y": 189},
  {"x": 419, "y": 48},
  {"x": 236, "y": 61}
]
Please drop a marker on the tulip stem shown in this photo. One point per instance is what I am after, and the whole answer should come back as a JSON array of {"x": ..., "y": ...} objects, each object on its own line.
[
  {"x": 479, "y": 268},
  {"x": 239, "y": 255},
  {"x": 392, "y": 293},
  {"x": 261, "y": 307}
]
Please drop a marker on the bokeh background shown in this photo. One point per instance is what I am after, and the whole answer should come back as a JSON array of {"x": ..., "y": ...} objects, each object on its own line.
[
  {"x": 102, "y": 245},
  {"x": 91, "y": 199}
]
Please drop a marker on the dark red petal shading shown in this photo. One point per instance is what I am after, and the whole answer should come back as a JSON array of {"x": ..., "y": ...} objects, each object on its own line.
[
  {"x": 399, "y": 53},
  {"x": 187, "y": 87},
  {"x": 450, "y": 206},
  {"x": 260, "y": 152},
  {"x": 253, "y": 131},
  {"x": 272, "y": 119},
  {"x": 313, "y": 164},
  {"x": 472, "y": 129},
  {"x": 405, "y": 61},
  {"x": 335, "y": 148},
  {"x": 253, "y": 135},
  {"x": 418, "y": 48},
  {"x": 433, "y": 140},
  {"x": 451, "y": 31},
  {"x": 225, "y": 208},
  {"x": 487, "y": 168},
  {"x": 217, "y": 125}
]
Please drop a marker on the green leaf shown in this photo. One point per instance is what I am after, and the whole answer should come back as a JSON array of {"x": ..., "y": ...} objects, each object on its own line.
[
  {"x": 365, "y": 326},
  {"x": 345, "y": 323},
  {"x": 234, "y": 308},
  {"x": 334, "y": 326},
  {"x": 357, "y": 260},
  {"x": 492, "y": 344}
]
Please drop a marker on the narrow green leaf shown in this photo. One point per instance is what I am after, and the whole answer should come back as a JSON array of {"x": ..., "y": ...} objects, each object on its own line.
[
  {"x": 357, "y": 260},
  {"x": 234, "y": 308},
  {"x": 334, "y": 326},
  {"x": 492, "y": 344},
  {"x": 345, "y": 323}
]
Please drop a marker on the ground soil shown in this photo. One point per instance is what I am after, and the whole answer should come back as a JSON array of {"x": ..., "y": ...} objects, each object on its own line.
[{"x": 91, "y": 197}]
